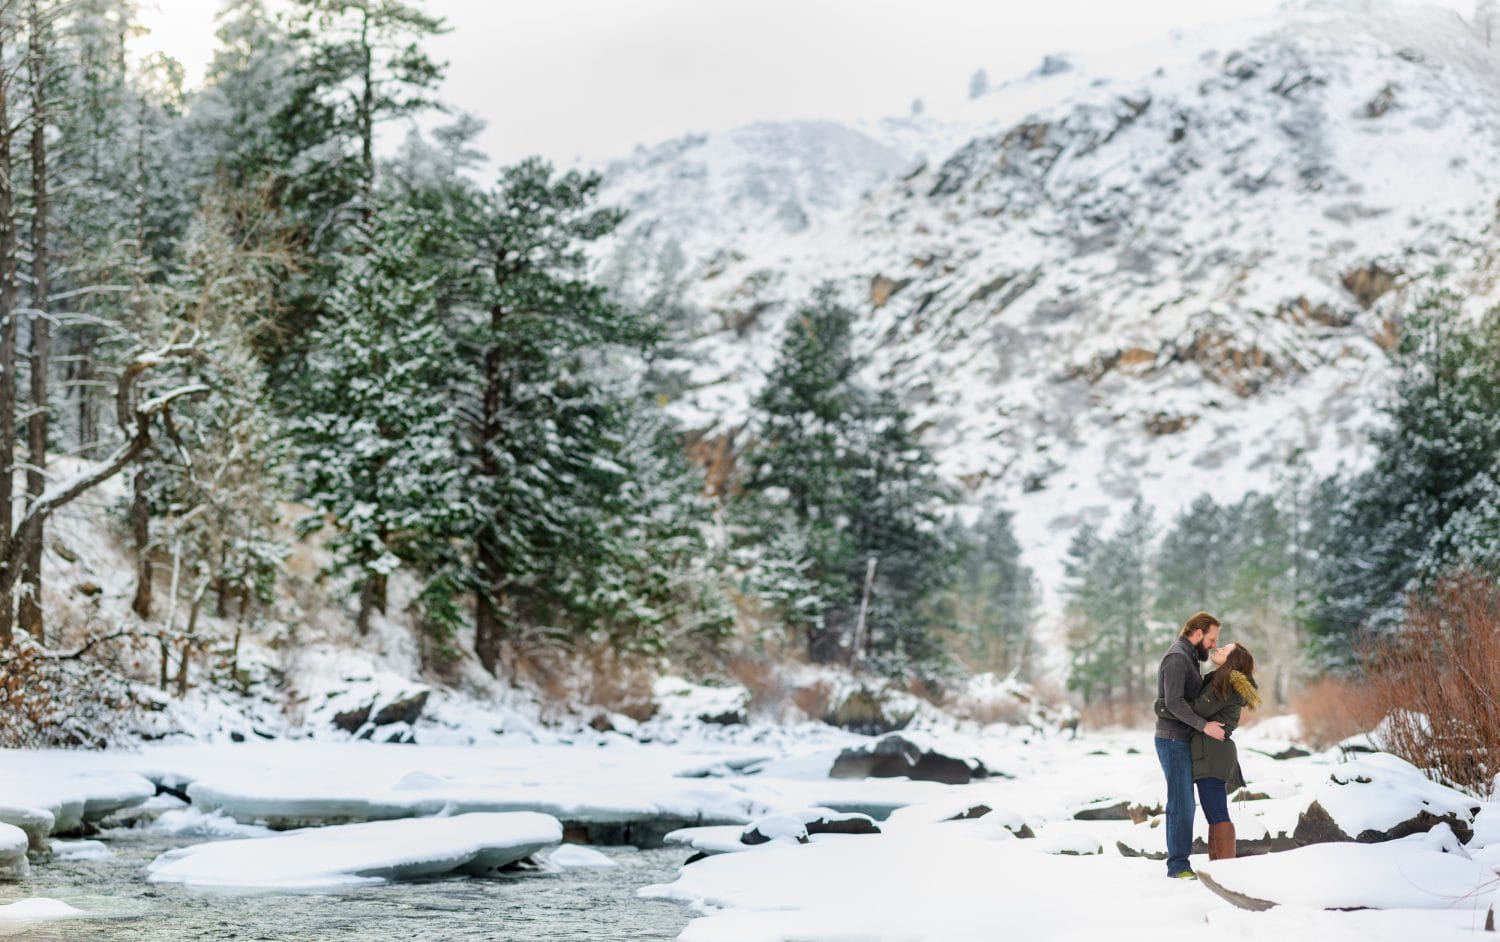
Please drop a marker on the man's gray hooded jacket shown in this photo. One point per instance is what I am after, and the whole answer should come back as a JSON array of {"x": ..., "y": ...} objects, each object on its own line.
[{"x": 1178, "y": 683}]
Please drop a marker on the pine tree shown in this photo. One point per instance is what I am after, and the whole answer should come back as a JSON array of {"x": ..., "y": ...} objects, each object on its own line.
[
  {"x": 1412, "y": 515},
  {"x": 1110, "y": 591},
  {"x": 843, "y": 468},
  {"x": 541, "y": 433},
  {"x": 895, "y": 505},
  {"x": 798, "y": 474},
  {"x": 372, "y": 419},
  {"x": 992, "y": 602},
  {"x": 1196, "y": 561}
]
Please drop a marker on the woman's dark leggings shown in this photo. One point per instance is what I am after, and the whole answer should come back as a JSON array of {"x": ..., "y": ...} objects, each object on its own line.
[{"x": 1214, "y": 799}]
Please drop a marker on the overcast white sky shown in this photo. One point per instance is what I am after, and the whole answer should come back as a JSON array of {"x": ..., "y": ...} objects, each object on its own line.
[{"x": 593, "y": 78}]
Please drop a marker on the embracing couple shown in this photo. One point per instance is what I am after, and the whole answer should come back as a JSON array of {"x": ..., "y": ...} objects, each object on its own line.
[{"x": 1195, "y": 715}]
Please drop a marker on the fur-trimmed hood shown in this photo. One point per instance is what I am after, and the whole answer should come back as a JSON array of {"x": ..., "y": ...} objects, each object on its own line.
[{"x": 1245, "y": 687}]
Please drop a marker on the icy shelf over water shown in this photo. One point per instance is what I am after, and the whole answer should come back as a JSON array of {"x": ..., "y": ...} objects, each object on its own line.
[{"x": 353, "y": 854}]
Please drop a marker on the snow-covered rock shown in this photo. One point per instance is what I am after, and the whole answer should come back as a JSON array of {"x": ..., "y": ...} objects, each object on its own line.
[
  {"x": 13, "y": 843},
  {"x": 351, "y": 854},
  {"x": 1403, "y": 874},
  {"x": 1381, "y": 797},
  {"x": 36, "y": 822},
  {"x": 1069, "y": 843},
  {"x": 905, "y": 756}
]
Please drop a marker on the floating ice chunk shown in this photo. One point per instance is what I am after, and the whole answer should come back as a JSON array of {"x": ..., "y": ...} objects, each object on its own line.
[
  {"x": 352, "y": 854},
  {"x": 80, "y": 850},
  {"x": 573, "y": 855},
  {"x": 37, "y": 909},
  {"x": 73, "y": 798},
  {"x": 192, "y": 822}
]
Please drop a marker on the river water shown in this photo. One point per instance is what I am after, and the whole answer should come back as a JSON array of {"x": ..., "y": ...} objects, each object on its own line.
[{"x": 574, "y": 904}]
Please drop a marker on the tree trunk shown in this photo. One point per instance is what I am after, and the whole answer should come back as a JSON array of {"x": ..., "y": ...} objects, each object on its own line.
[
  {"x": 367, "y": 120},
  {"x": 489, "y": 631},
  {"x": 140, "y": 527},
  {"x": 36, "y": 426},
  {"x": 88, "y": 416},
  {"x": 366, "y": 603},
  {"x": 488, "y": 625},
  {"x": 8, "y": 289}
]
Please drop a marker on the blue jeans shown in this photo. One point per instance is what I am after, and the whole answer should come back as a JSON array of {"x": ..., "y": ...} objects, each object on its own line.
[
  {"x": 1213, "y": 795},
  {"x": 1177, "y": 765}
]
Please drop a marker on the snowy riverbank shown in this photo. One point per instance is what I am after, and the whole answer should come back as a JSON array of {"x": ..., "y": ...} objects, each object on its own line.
[{"x": 1018, "y": 859}]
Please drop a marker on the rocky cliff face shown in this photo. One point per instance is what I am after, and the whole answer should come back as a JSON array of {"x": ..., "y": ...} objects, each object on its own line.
[{"x": 1156, "y": 273}]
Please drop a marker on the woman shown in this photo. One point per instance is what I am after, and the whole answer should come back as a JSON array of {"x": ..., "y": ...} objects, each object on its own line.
[{"x": 1216, "y": 764}]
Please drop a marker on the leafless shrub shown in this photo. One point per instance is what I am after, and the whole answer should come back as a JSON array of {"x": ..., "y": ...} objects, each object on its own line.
[
  {"x": 599, "y": 675},
  {"x": 60, "y": 700},
  {"x": 815, "y": 700},
  {"x": 1439, "y": 678},
  {"x": 989, "y": 710},
  {"x": 765, "y": 681},
  {"x": 1331, "y": 709},
  {"x": 1116, "y": 712}
]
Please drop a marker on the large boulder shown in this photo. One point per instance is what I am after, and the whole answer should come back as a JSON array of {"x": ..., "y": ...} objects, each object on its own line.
[
  {"x": 898, "y": 757},
  {"x": 1379, "y": 798}
]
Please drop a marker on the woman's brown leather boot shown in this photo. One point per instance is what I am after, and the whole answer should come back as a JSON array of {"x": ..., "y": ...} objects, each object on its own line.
[{"x": 1221, "y": 841}]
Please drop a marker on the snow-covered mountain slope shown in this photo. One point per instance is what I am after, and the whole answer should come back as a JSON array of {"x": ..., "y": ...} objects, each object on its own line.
[{"x": 1158, "y": 272}]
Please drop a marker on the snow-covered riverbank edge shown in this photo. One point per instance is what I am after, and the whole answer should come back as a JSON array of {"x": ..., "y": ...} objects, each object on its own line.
[{"x": 1019, "y": 857}]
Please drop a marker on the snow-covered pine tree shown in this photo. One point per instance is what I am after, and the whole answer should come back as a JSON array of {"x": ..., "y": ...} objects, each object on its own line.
[
  {"x": 993, "y": 600},
  {"x": 371, "y": 417},
  {"x": 1110, "y": 596},
  {"x": 842, "y": 467},
  {"x": 661, "y": 591},
  {"x": 1195, "y": 562},
  {"x": 797, "y": 474},
  {"x": 1420, "y": 509},
  {"x": 895, "y": 517},
  {"x": 363, "y": 65},
  {"x": 543, "y": 432}
]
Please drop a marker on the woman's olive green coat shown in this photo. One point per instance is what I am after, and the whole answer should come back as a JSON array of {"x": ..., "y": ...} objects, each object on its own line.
[{"x": 1212, "y": 758}]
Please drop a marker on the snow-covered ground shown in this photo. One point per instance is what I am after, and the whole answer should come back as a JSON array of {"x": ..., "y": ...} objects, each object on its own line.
[{"x": 789, "y": 851}]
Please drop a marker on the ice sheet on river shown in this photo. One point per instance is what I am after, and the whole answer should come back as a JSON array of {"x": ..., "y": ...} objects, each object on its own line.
[
  {"x": 352, "y": 854},
  {"x": 595, "y": 788}
]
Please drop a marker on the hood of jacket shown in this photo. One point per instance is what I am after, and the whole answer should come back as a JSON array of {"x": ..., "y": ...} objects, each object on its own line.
[{"x": 1245, "y": 687}]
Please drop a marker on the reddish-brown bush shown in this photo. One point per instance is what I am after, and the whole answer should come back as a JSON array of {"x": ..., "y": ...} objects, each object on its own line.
[
  {"x": 1331, "y": 709},
  {"x": 1440, "y": 678},
  {"x": 1115, "y": 712},
  {"x": 814, "y": 700}
]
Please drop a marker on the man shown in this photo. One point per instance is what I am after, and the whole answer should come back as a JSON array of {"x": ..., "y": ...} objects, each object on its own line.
[{"x": 1178, "y": 680}]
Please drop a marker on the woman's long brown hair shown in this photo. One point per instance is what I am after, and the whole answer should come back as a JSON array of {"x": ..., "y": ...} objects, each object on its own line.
[{"x": 1239, "y": 659}]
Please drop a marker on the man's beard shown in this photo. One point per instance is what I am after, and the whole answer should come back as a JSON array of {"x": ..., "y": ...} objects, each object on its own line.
[{"x": 1202, "y": 651}]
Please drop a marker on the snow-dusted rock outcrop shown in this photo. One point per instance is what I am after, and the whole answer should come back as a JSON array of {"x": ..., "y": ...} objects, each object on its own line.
[{"x": 1113, "y": 280}]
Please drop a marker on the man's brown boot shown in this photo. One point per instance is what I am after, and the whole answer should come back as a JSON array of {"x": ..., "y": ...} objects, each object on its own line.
[{"x": 1221, "y": 841}]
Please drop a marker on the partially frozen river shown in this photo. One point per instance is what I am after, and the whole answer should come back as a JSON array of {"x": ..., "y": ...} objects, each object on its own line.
[{"x": 572, "y": 904}]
